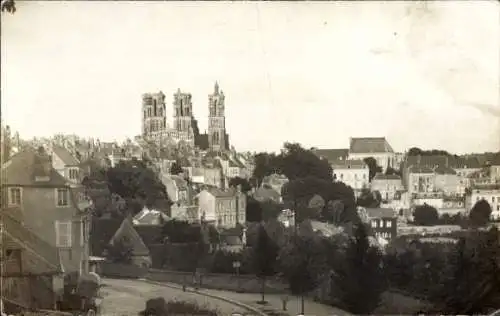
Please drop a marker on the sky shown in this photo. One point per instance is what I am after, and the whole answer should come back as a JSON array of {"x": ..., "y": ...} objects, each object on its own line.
[{"x": 422, "y": 74}]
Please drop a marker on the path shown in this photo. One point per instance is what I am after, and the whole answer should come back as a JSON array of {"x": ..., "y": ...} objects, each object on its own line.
[{"x": 128, "y": 297}]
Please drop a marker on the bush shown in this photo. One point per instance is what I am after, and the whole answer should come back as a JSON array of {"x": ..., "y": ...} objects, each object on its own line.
[
  {"x": 158, "y": 307},
  {"x": 425, "y": 215},
  {"x": 222, "y": 262}
]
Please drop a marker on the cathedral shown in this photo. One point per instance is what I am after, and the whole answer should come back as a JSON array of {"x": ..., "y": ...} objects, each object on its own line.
[{"x": 185, "y": 126}]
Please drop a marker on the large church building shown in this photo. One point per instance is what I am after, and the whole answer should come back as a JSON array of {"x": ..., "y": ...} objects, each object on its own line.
[{"x": 185, "y": 126}]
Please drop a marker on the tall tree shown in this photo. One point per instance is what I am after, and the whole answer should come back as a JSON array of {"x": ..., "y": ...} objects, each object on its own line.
[
  {"x": 425, "y": 215},
  {"x": 472, "y": 283},
  {"x": 303, "y": 261},
  {"x": 480, "y": 213},
  {"x": 372, "y": 167},
  {"x": 265, "y": 255},
  {"x": 358, "y": 280}
]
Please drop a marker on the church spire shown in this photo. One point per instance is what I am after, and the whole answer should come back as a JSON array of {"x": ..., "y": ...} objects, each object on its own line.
[{"x": 216, "y": 88}]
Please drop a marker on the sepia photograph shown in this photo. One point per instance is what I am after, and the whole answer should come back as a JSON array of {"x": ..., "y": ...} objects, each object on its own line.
[{"x": 250, "y": 158}]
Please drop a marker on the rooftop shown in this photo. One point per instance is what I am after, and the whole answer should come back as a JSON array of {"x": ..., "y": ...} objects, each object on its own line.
[
  {"x": 67, "y": 158},
  {"x": 370, "y": 145},
  {"x": 380, "y": 212},
  {"x": 332, "y": 154},
  {"x": 29, "y": 168}
]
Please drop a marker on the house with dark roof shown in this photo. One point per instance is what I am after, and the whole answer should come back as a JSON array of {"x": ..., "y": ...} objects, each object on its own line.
[
  {"x": 387, "y": 185},
  {"x": 66, "y": 164},
  {"x": 224, "y": 208},
  {"x": 376, "y": 147},
  {"x": 45, "y": 202},
  {"x": 383, "y": 222},
  {"x": 28, "y": 266},
  {"x": 332, "y": 155},
  {"x": 140, "y": 252}
]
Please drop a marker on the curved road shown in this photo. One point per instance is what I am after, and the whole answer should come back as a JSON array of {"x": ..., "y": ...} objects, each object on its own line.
[{"x": 128, "y": 297}]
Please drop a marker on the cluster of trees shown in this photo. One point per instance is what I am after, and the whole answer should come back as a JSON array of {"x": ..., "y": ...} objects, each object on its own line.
[
  {"x": 415, "y": 151},
  {"x": 351, "y": 268},
  {"x": 461, "y": 278},
  {"x": 309, "y": 176},
  {"x": 134, "y": 182},
  {"x": 427, "y": 215}
]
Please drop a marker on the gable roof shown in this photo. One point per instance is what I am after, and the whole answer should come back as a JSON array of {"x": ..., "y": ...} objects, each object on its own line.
[
  {"x": 126, "y": 229},
  {"x": 149, "y": 217},
  {"x": 332, "y": 154},
  {"x": 380, "y": 212},
  {"x": 349, "y": 164},
  {"x": 180, "y": 182},
  {"x": 27, "y": 240},
  {"x": 370, "y": 145},
  {"x": 23, "y": 169},
  {"x": 67, "y": 158}
]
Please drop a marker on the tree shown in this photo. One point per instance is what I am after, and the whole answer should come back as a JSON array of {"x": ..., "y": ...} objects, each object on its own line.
[
  {"x": 265, "y": 164},
  {"x": 265, "y": 254},
  {"x": 298, "y": 193},
  {"x": 425, "y": 215},
  {"x": 480, "y": 213},
  {"x": 138, "y": 185},
  {"x": 303, "y": 262},
  {"x": 472, "y": 283},
  {"x": 372, "y": 167},
  {"x": 9, "y": 6},
  {"x": 121, "y": 250},
  {"x": 245, "y": 185},
  {"x": 369, "y": 199},
  {"x": 358, "y": 280},
  {"x": 176, "y": 168}
]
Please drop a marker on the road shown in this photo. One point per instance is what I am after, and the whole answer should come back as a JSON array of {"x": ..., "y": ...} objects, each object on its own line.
[{"x": 128, "y": 297}]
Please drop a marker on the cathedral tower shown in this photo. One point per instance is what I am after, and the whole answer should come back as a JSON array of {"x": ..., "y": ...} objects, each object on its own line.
[
  {"x": 183, "y": 112},
  {"x": 216, "y": 121},
  {"x": 154, "y": 118}
]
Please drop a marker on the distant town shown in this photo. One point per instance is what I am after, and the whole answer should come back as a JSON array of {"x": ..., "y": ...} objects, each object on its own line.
[{"x": 176, "y": 205}]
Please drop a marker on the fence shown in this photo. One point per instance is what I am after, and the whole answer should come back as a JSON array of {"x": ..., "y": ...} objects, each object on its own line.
[{"x": 228, "y": 282}]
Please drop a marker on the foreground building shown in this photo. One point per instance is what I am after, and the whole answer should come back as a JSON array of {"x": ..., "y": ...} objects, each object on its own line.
[{"x": 46, "y": 203}]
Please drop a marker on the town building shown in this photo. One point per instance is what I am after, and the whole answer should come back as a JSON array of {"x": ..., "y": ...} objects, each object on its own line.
[
  {"x": 46, "y": 203},
  {"x": 354, "y": 173},
  {"x": 29, "y": 266},
  {"x": 66, "y": 164},
  {"x": 383, "y": 222},
  {"x": 389, "y": 185},
  {"x": 224, "y": 209},
  {"x": 140, "y": 255},
  {"x": 275, "y": 181},
  {"x": 375, "y": 147},
  {"x": 490, "y": 193},
  {"x": 185, "y": 126}
]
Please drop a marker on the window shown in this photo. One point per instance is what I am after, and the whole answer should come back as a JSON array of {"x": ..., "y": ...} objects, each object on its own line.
[
  {"x": 62, "y": 197},
  {"x": 63, "y": 234},
  {"x": 493, "y": 199},
  {"x": 82, "y": 233},
  {"x": 341, "y": 176},
  {"x": 73, "y": 174},
  {"x": 15, "y": 196},
  {"x": 374, "y": 224},
  {"x": 364, "y": 176},
  {"x": 388, "y": 224}
]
